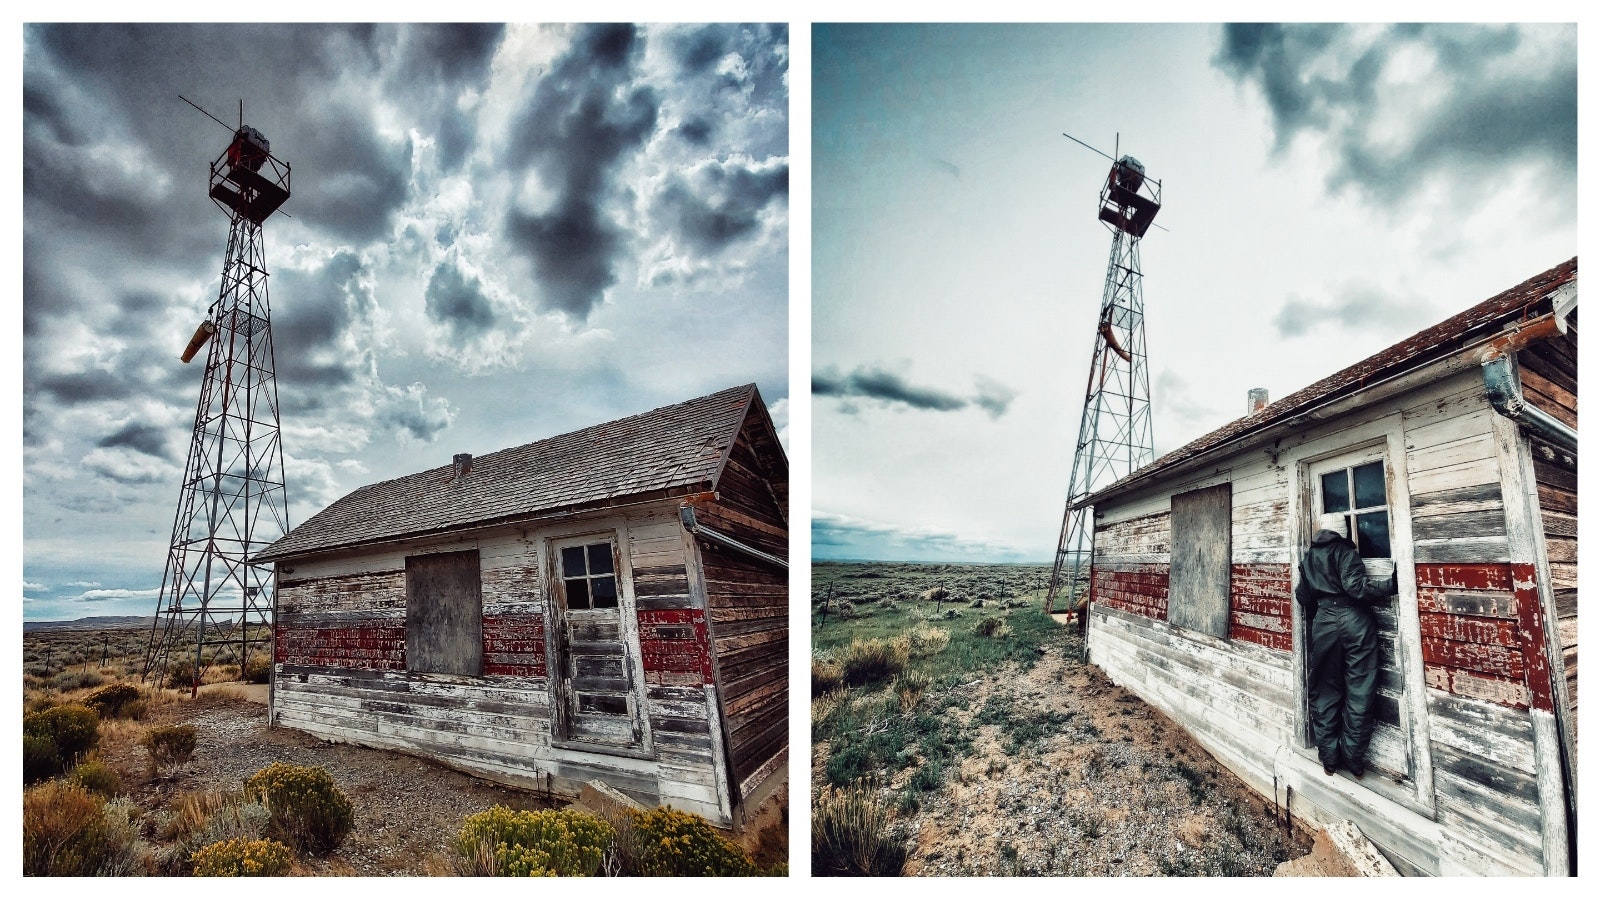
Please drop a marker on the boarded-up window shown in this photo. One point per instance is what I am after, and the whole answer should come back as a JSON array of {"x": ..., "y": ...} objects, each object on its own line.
[
  {"x": 444, "y": 613},
  {"x": 1202, "y": 557}
]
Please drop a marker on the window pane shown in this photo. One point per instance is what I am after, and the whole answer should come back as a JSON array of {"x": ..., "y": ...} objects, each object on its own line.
[
  {"x": 1372, "y": 535},
  {"x": 572, "y": 561},
  {"x": 1369, "y": 485},
  {"x": 577, "y": 593},
  {"x": 604, "y": 591},
  {"x": 599, "y": 558},
  {"x": 1335, "y": 492}
]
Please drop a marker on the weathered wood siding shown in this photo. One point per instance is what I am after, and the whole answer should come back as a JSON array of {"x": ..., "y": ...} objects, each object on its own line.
[
  {"x": 341, "y": 671},
  {"x": 1467, "y": 798},
  {"x": 1549, "y": 372},
  {"x": 749, "y": 609}
]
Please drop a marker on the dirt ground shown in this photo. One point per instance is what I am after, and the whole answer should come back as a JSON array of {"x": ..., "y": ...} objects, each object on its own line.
[
  {"x": 407, "y": 809},
  {"x": 1071, "y": 775}
]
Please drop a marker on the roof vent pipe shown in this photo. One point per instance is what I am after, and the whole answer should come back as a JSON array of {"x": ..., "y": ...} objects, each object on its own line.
[
  {"x": 462, "y": 462},
  {"x": 1257, "y": 401}
]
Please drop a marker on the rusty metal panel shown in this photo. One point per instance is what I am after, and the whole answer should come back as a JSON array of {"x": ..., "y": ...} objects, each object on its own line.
[
  {"x": 444, "y": 613},
  {"x": 1202, "y": 559}
]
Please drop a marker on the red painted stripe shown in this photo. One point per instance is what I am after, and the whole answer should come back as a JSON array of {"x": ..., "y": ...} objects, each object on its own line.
[
  {"x": 1469, "y": 577},
  {"x": 514, "y": 644},
  {"x": 1269, "y": 639},
  {"x": 379, "y": 646},
  {"x": 665, "y": 650},
  {"x": 1468, "y": 629},
  {"x": 1476, "y": 658},
  {"x": 1530, "y": 625}
]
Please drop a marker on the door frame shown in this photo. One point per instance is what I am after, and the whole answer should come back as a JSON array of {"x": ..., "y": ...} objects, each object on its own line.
[
  {"x": 1384, "y": 436},
  {"x": 616, "y": 531}
]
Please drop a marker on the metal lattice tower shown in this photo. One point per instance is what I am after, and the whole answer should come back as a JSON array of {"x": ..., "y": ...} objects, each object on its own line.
[
  {"x": 232, "y": 503},
  {"x": 1114, "y": 433}
]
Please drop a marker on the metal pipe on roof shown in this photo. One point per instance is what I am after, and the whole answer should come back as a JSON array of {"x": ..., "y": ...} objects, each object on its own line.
[
  {"x": 1504, "y": 390},
  {"x": 686, "y": 515}
]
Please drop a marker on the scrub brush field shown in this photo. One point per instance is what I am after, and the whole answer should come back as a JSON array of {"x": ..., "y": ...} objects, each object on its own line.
[{"x": 956, "y": 730}]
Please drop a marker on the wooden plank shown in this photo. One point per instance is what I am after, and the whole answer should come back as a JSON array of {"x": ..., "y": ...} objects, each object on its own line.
[
  {"x": 1201, "y": 560},
  {"x": 1463, "y": 550},
  {"x": 1487, "y": 730}
]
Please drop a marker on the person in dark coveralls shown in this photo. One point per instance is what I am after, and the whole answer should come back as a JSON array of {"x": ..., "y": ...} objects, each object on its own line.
[{"x": 1338, "y": 597}]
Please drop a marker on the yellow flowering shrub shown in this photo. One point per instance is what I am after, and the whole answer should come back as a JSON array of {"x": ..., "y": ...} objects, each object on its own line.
[
  {"x": 541, "y": 842},
  {"x": 307, "y": 809},
  {"x": 240, "y": 857},
  {"x": 672, "y": 842}
]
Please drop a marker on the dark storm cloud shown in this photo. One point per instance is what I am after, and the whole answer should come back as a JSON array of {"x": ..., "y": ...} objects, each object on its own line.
[
  {"x": 715, "y": 205},
  {"x": 409, "y": 413},
  {"x": 1356, "y": 307},
  {"x": 873, "y": 383},
  {"x": 313, "y": 315},
  {"x": 584, "y": 119},
  {"x": 1498, "y": 102},
  {"x": 436, "y": 64},
  {"x": 144, "y": 438},
  {"x": 456, "y": 300}
]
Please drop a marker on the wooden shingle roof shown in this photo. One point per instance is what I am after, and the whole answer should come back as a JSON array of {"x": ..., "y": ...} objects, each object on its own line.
[
  {"x": 682, "y": 446},
  {"x": 1527, "y": 300}
]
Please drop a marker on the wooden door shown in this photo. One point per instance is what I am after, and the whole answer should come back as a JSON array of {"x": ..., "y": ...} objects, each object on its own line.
[
  {"x": 1357, "y": 486},
  {"x": 593, "y": 685}
]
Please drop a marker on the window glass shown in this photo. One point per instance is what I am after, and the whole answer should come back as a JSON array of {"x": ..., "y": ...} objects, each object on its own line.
[
  {"x": 1369, "y": 485},
  {"x": 572, "y": 561},
  {"x": 1372, "y": 535},
  {"x": 577, "y": 593},
  {"x": 604, "y": 591},
  {"x": 1335, "y": 492},
  {"x": 599, "y": 559}
]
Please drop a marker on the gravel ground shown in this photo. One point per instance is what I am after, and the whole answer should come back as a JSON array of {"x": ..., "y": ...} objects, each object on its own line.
[
  {"x": 407, "y": 809},
  {"x": 1071, "y": 775}
]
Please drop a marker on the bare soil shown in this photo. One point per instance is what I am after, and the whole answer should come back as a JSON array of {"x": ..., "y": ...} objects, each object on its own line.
[{"x": 1071, "y": 775}]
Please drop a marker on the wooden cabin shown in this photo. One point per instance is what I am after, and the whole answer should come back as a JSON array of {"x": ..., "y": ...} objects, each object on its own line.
[
  {"x": 610, "y": 604},
  {"x": 1453, "y": 455}
]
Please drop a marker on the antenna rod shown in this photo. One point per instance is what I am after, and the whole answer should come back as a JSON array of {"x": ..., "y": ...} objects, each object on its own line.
[
  {"x": 203, "y": 112},
  {"x": 1068, "y": 137}
]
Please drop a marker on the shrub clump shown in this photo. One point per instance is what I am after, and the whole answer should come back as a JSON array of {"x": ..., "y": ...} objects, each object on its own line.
[
  {"x": 201, "y": 818},
  {"x": 96, "y": 777},
  {"x": 68, "y": 831},
  {"x": 670, "y": 842},
  {"x": 118, "y": 700},
  {"x": 926, "y": 640},
  {"x": 308, "y": 811},
  {"x": 874, "y": 659},
  {"x": 850, "y": 834},
  {"x": 825, "y": 676},
  {"x": 546, "y": 842},
  {"x": 987, "y": 626},
  {"x": 72, "y": 681},
  {"x": 170, "y": 745},
  {"x": 55, "y": 739},
  {"x": 257, "y": 669},
  {"x": 243, "y": 858}
]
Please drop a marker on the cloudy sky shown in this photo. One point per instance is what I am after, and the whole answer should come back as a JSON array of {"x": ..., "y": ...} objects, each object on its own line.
[
  {"x": 1328, "y": 190},
  {"x": 496, "y": 235}
]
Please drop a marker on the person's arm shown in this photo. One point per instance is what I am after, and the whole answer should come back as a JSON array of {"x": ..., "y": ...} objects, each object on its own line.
[{"x": 1353, "y": 578}]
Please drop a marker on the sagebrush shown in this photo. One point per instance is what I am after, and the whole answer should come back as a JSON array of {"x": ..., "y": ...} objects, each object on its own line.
[{"x": 308, "y": 811}]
